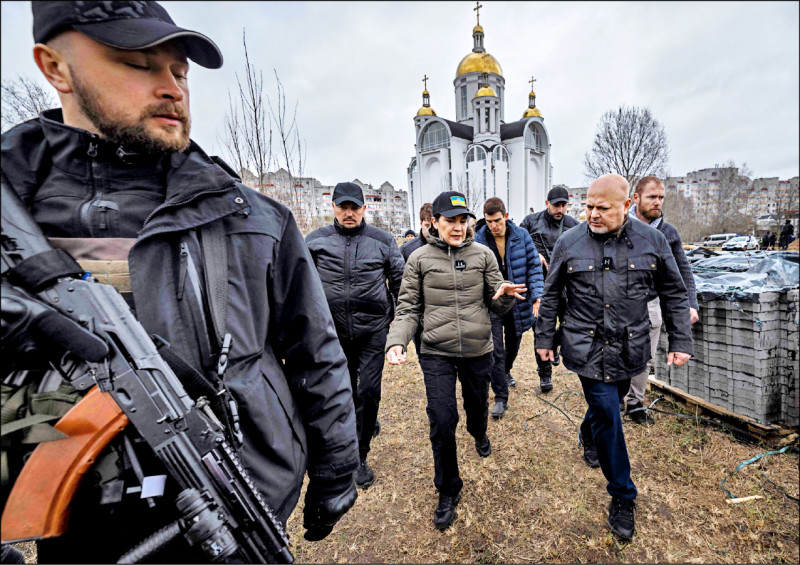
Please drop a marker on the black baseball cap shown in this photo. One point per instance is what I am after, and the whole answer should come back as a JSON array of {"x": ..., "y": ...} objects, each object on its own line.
[
  {"x": 558, "y": 194},
  {"x": 122, "y": 24},
  {"x": 348, "y": 192},
  {"x": 450, "y": 205}
]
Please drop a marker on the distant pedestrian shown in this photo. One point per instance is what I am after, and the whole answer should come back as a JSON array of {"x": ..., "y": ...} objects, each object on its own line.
[
  {"x": 518, "y": 260},
  {"x": 786, "y": 234},
  {"x": 409, "y": 235},
  {"x": 425, "y": 216},
  {"x": 454, "y": 284},
  {"x": 355, "y": 262},
  {"x": 772, "y": 239},
  {"x": 605, "y": 273}
]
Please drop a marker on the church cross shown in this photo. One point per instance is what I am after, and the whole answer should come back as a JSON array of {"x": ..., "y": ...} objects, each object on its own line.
[
  {"x": 532, "y": 81},
  {"x": 425, "y": 80},
  {"x": 477, "y": 10}
]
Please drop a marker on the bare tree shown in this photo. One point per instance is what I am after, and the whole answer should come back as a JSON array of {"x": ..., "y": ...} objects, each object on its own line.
[
  {"x": 473, "y": 190},
  {"x": 261, "y": 135},
  {"x": 24, "y": 99},
  {"x": 629, "y": 142}
]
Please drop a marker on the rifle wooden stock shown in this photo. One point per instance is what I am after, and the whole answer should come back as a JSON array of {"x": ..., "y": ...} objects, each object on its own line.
[{"x": 39, "y": 503}]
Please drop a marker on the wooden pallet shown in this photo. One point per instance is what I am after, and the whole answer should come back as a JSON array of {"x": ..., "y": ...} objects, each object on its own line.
[{"x": 769, "y": 433}]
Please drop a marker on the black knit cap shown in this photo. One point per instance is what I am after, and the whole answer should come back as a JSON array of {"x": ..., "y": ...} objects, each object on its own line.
[{"x": 122, "y": 24}]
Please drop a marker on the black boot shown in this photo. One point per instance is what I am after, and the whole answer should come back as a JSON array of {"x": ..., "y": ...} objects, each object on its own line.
[
  {"x": 620, "y": 517},
  {"x": 510, "y": 380},
  {"x": 500, "y": 407},
  {"x": 545, "y": 382},
  {"x": 483, "y": 447},
  {"x": 364, "y": 476},
  {"x": 589, "y": 452},
  {"x": 446, "y": 511}
]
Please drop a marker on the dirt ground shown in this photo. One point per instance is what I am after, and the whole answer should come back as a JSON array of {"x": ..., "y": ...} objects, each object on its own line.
[{"x": 534, "y": 500}]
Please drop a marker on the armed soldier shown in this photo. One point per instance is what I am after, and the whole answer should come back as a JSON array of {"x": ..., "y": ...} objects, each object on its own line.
[
  {"x": 545, "y": 227},
  {"x": 217, "y": 270}
]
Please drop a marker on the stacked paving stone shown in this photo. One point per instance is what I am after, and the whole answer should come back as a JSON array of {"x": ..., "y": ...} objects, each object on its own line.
[{"x": 745, "y": 357}]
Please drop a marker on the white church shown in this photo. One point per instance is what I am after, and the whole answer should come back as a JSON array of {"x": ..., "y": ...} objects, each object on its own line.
[{"x": 480, "y": 153}]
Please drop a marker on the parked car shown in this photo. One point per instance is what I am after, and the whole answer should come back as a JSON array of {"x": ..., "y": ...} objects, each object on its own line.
[
  {"x": 741, "y": 243},
  {"x": 717, "y": 239}
]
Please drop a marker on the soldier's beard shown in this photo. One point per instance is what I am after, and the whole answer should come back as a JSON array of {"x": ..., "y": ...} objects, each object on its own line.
[{"x": 133, "y": 136}]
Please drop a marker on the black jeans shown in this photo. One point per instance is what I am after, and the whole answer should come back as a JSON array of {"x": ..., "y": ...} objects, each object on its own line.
[
  {"x": 440, "y": 375},
  {"x": 602, "y": 427},
  {"x": 505, "y": 352},
  {"x": 365, "y": 363}
]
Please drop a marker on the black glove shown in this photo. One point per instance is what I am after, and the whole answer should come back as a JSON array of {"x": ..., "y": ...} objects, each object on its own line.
[
  {"x": 30, "y": 328},
  {"x": 326, "y": 502}
]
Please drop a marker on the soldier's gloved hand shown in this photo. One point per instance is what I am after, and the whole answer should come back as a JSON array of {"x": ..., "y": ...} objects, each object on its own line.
[
  {"x": 30, "y": 329},
  {"x": 325, "y": 503}
]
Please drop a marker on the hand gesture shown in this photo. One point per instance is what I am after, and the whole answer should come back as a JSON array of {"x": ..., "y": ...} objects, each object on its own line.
[
  {"x": 396, "y": 355},
  {"x": 511, "y": 289}
]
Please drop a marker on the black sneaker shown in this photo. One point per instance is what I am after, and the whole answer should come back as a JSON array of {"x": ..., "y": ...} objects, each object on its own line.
[
  {"x": 483, "y": 447},
  {"x": 589, "y": 453},
  {"x": 639, "y": 414},
  {"x": 377, "y": 428},
  {"x": 500, "y": 407},
  {"x": 510, "y": 380},
  {"x": 545, "y": 383},
  {"x": 364, "y": 476},
  {"x": 446, "y": 511},
  {"x": 620, "y": 517}
]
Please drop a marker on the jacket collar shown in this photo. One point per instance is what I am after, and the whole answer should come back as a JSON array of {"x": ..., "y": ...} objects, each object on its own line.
[{"x": 654, "y": 224}]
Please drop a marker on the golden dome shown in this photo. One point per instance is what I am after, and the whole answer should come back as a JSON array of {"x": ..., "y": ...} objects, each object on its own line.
[
  {"x": 485, "y": 91},
  {"x": 479, "y": 63},
  {"x": 477, "y": 28},
  {"x": 426, "y": 111},
  {"x": 532, "y": 113}
]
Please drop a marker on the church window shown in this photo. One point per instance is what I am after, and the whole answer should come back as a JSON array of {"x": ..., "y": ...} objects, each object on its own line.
[
  {"x": 500, "y": 154},
  {"x": 435, "y": 136},
  {"x": 463, "y": 102},
  {"x": 533, "y": 138},
  {"x": 476, "y": 153}
]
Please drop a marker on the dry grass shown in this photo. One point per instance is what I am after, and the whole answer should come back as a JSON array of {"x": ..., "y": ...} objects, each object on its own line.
[{"x": 534, "y": 500}]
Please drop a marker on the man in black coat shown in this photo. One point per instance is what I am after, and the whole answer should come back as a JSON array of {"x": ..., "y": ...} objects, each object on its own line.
[
  {"x": 648, "y": 198},
  {"x": 786, "y": 234},
  {"x": 113, "y": 176},
  {"x": 425, "y": 217},
  {"x": 606, "y": 271},
  {"x": 545, "y": 227},
  {"x": 355, "y": 261}
]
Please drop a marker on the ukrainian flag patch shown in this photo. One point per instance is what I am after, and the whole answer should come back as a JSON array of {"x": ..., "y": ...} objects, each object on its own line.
[{"x": 458, "y": 201}]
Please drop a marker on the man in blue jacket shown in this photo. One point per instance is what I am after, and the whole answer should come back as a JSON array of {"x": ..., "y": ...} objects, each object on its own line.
[
  {"x": 519, "y": 263},
  {"x": 355, "y": 261}
]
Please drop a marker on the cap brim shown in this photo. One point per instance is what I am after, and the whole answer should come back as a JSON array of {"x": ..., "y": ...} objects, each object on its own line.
[
  {"x": 353, "y": 199},
  {"x": 142, "y": 33},
  {"x": 558, "y": 200},
  {"x": 453, "y": 212}
]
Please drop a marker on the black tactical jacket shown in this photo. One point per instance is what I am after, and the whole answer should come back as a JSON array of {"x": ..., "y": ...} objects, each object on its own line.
[
  {"x": 286, "y": 369},
  {"x": 410, "y": 246},
  {"x": 544, "y": 229},
  {"x": 608, "y": 282},
  {"x": 355, "y": 265}
]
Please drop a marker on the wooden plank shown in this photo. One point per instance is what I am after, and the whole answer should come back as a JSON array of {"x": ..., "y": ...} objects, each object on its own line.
[{"x": 695, "y": 402}]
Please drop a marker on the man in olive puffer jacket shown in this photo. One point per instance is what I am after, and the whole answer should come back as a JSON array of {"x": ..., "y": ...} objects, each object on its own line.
[
  {"x": 451, "y": 284},
  {"x": 355, "y": 261}
]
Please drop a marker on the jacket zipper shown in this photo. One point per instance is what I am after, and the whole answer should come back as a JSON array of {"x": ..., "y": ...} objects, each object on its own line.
[
  {"x": 184, "y": 260},
  {"x": 347, "y": 289},
  {"x": 455, "y": 292},
  {"x": 87, "y": 206}
]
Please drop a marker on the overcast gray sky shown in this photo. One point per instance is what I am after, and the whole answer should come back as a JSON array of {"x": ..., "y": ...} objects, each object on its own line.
[{"x": 722, "y": 77}]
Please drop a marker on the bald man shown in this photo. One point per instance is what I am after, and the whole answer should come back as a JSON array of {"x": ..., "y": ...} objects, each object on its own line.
[{"x": 611, "y": 267}]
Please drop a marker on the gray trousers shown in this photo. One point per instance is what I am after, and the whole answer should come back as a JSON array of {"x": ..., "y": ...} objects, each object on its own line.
[{"x": 639, "y": 382}]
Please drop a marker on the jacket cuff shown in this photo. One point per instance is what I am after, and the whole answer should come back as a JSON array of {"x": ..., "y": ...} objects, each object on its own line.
[
  {"x": 542, "y": 342},
  {"x": 681, "y": 346}
]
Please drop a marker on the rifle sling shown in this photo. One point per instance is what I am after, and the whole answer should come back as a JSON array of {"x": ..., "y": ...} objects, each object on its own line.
[{"x": 215, "y": 272}]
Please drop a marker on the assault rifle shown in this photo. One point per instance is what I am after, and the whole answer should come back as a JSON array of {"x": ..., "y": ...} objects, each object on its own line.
[{"x": 221, "y": 510}]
